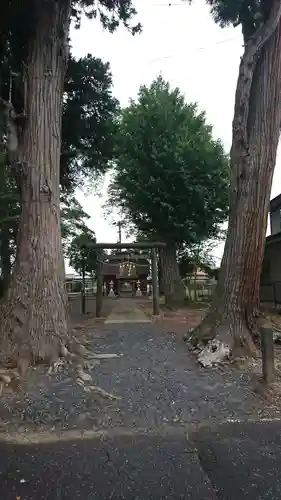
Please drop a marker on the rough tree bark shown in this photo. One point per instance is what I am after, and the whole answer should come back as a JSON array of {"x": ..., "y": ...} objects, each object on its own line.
[
  {"x": 160, "y": 279},
  {"x": 33, "y": 315},
  {"x": 233, "y": 318},
  {"x": 5, "y": 258},
  {"x": 173, "y": 287}
]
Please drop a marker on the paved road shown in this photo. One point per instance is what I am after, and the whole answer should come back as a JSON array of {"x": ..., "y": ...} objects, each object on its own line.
[
  {"x": 124, "y": 468},
  {"x": 242, "y": 461},
  {"x": 232, "y": 462}
]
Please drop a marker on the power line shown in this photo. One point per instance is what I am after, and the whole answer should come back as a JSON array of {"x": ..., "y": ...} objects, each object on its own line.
[
  {"x": 221, "y": 42},
  {"x": 182, "y": 4}
]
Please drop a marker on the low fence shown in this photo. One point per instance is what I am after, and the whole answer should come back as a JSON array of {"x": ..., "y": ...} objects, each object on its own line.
[
  {"x": 199, "y": 291},
  {"x": 75, "y": 303},
  {"x": 271, "y": 293}
]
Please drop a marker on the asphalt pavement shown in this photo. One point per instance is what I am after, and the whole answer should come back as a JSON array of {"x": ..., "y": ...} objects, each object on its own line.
[
  {"x": 136, "y": 468},
  {"x": 242, "y": 460},
  {"x": 230, "y": 462}
]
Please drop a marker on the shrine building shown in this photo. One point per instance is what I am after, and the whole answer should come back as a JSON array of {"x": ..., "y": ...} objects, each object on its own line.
[{"x": 126, "y": 274}]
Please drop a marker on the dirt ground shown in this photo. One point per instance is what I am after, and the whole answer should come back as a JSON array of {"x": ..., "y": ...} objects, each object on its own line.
[
  {"x": 178, "y": 322},
  {"x": 174, "y": 322}
]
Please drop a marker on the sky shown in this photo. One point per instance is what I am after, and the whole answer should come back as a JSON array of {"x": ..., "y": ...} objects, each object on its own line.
[{"x": 183, "y": 44}]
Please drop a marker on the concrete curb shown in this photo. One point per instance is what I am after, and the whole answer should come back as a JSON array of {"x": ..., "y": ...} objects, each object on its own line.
[{"x": 184, "y": 431}]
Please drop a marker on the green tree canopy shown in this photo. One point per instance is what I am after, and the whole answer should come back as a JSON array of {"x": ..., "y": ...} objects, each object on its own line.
[
  {"x": 171, "y": 175},
  {"x": 82, "y": 257},
  {"x": 247, "y": 13},
  {"x": 9, "y": 219},
  {"x": 198, "y": 255},
  {"x": 88, "y": 123},
  {"x": 73, "y": 219}
]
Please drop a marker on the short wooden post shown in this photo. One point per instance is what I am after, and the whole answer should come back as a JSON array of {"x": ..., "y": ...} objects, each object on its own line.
[
  {"x": 83, "y": 289},
  {"x": 274, "y": 295},
  {"x": 83, "y": 300},
  {"x": 155, "y": 288},
  {"x": 99, "y": 290},
  {"x": 267, "y": 345}
]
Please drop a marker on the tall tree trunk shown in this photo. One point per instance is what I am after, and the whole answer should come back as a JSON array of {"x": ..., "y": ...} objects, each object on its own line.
[
  {"x": 233, "y": 317},
  {"x": 5, "y": 256},
  {"x": 171, "y": 280},
  {"x": 33, "y": 317}
]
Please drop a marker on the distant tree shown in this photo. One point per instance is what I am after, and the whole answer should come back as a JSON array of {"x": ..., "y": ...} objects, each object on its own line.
[
  {"x": 234, "y": 319},
  {"x": 82, "y": 257},
  {"x": 88, "y": 121},
  {"x": 198, "y": 255},
  {"x": 73, "y": 219},
  {"x": 171, "y": 175},
  {"x": 9, "y": 218},
  {"x": 196, "y": 258}
]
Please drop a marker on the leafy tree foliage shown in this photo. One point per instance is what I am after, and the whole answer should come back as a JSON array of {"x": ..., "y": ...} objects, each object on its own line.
[
  {"x": 82, "y": 257},
  {"x": 9, "y": 218},
  {"x": 197, "y": 255},
  {"x": 87, "y": 147},
  {"x": 88, "y": 123},
  {"x": 247, "y": 13},
  {"x": 111, "y": 13},
  {"x": 73, "y": 219},
  {"x": 171, "y": 175},
  {"x": 19, "y": 20}
]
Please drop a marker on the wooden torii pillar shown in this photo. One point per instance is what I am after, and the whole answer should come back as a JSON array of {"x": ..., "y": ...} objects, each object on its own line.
[
  {"x": 153, "y": 245},
  {"x": 99, "y": 289},
  {"x": 155, "y": 287}
]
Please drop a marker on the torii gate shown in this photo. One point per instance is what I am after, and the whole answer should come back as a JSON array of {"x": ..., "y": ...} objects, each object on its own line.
[{"x": 153, "y": 245}]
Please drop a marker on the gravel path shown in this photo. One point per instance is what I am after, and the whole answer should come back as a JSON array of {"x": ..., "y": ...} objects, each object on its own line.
[{"x": 157, "y": 379}]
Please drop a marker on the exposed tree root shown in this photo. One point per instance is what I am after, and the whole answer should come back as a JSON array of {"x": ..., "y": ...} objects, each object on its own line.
[
  {"x": 20, "y": 351},
  {"x": 218, "y": 339},
  {"x": 37, "y": 331},
  {"x": 31, "y": 335},
  {"x": 83, "y": 378},
  {"x": 84, "y": 360},
  {"x": 88, "y": 361},
  {"x": 226, "y": 341}
]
